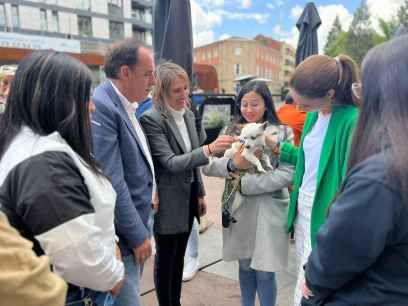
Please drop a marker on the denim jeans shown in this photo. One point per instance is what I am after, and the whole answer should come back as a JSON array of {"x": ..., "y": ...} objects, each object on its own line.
[
  {"x": 87, "y": 297},
  {"x": 254, "y": 281},
  {"x": 130, "y": 293}
]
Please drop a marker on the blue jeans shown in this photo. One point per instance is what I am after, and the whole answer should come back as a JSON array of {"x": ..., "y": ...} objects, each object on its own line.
[
  {"x": 87, "y": 297},
  {"x": 254, "y": 281},
  {"x": 130, "y": 293}
]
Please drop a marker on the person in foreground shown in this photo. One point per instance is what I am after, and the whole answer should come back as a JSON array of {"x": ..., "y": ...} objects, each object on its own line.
[
  {"x": 51, "y": 189},
  {"x": 320, "y": 85},
  {"x": 120, "y": 147},
  {"x": 175, "y": 141},
  {"x": 25, "y": 278},
  {"x": 361, "y": 253},
  {"x": 257, "y": 240}
]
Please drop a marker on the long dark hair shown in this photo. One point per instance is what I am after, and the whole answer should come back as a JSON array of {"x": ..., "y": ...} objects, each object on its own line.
[
  {"x": 383, "y": 121},
  {"x": 318, "y": 74},
  {"x": 50, "y": 92},
  {"x": 261, "y": 89}
]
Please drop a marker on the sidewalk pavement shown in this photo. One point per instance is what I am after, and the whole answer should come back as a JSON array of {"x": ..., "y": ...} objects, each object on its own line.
[{"x": 216, "y": 284}]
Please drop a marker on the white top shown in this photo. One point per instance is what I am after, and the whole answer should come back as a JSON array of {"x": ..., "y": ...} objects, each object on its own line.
[
  {"x": 312, "y": 147},
  {"x": 81, "y": 250},
  {"x": 181, "y": 124},
  {"x": 131, "y": 111}
]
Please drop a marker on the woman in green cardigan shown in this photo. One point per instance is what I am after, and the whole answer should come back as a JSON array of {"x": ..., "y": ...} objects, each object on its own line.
[{"x": 322, "y": 86}]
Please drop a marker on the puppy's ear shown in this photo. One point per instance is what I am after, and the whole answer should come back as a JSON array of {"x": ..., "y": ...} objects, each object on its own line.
[{"x": 264, "y": 125}]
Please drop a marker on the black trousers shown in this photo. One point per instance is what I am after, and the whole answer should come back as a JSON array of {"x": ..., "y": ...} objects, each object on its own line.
[{"x": 169, "y": 260}]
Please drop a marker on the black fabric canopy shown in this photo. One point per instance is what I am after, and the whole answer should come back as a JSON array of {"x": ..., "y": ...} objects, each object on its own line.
[
  {"x": 307, "y": 25},
  {"x": 172, "y": 33}
]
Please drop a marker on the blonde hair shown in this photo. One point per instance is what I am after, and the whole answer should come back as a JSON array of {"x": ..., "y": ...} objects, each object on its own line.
[{"x": 166, "y": 73}]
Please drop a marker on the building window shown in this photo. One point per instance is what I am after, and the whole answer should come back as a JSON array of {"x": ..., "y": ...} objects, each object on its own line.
[
  {"x": 238, "y": 69},
  {"x": 138, "y": 14},
  {"x": 55, "y": 21},
  {"x": 84, "y": 5},
  {"x": 237, "y": 51},
  {"x": 116, "y": 30},
  {"x": 115, "y": 8},
  {"x": 2, "y": 15},
  {"x": 139, "y": 35},
  {"x": 148, "y": 16},
  {"x": 85, "y": 26},
  {"x": 149, "y": 38},
  {"x": 43, "y": 20},
  {"x": 15, "y": 17}
]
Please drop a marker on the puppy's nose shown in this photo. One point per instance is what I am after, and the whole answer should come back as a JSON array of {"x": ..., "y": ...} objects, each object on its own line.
[{"x": 247, "y": 146}]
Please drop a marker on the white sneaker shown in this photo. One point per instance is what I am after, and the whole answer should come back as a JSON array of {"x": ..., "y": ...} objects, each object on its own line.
[{"x": 190, "y": 269}]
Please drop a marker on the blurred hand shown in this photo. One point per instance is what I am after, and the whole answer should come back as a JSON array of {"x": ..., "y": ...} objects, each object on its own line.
[
  {"x": 271, "y": 141},
  {"x": 202, "y": 206},
  {"x": 156, "y": 202},
  {"x": 306, "y": 292},
  {"x": 118, "y": 253},
  {"x": 143, "y": 251},
  {"x": 115, "y": 290},
  {"x": 222, "y": 143},
  {"x": 241, "y": 163}
]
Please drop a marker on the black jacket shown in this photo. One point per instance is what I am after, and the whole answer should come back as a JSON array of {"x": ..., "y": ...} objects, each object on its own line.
[{"x": 361, "y": 254}]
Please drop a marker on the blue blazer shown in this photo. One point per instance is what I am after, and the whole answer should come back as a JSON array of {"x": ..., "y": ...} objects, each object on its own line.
[{"x": 120, "y": 154}]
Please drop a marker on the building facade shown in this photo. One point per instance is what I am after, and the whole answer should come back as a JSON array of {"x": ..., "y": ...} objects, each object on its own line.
[
  {"x": 288, "y": 63},
  {"x": 83, "y": 27},
  {"x": 238, "y": 58}
]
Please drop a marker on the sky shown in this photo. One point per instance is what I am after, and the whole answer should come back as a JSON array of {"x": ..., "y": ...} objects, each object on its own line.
[{"x": 219, "y": 19}]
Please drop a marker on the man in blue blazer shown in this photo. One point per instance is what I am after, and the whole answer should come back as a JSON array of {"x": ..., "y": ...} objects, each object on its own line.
[{"x": 120, "y": 147}]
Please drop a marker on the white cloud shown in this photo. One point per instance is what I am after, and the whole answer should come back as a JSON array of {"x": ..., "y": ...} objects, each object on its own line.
[
  {"x": 203, "y": 22},
  {"x": 270, "y": 6},
  {"x": 224, "y": 36},
  {"x": 327, "y": 14},
  {"x": 213, "y": 2},
  {"x": 296, "y": 11},
  {"x": 246, "y": 4},
  {"x": 280, "y": 2},
  {"x": 383, "y": 9},
  {"x": 203, "y": 38},
  {"x": 259, "y": 18},
  {"x": 278, "y": 30}
]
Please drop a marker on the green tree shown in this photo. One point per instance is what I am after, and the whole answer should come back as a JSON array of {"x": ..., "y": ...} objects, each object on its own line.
[
  {"x": 403, "y": 14},
  {"x": 360, "y": 37},
  {"x": 333, "y": 34},
  {"x": 338, "y": 46}
]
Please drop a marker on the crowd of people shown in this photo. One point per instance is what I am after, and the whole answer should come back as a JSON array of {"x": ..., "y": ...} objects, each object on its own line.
[{"x": 86, "y": 184}]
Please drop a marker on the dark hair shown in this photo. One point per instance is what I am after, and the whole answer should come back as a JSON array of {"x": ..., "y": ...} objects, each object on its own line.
[
  {"x": 289, "y": 99},
  {"x": 383, "y": 120},
  {"x": 261, "y": 89},
  {"x": 50, "y": 93},
  {"x": 318, "y": 74},
  {"x": 124, "y": 53}
]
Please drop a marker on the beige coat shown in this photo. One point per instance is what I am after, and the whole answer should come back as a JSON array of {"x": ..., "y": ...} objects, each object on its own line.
[
  {"x": 259, "y": 233},
  {"x": 25, "y": 279}
]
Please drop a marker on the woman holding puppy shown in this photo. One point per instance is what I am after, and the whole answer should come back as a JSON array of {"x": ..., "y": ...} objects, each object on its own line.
[
  {"x": 255, "y": 204},
  {"x": 322, "y": 86}
]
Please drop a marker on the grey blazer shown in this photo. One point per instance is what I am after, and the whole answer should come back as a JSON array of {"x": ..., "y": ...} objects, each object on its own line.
[{"x": 175, "y": 168}]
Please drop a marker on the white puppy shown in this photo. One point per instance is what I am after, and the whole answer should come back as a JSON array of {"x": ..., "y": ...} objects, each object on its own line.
[{"x": 252, "y": 138}]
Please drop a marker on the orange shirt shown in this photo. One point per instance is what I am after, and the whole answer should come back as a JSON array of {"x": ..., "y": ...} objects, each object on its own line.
[{"x": 289, "y": 114}]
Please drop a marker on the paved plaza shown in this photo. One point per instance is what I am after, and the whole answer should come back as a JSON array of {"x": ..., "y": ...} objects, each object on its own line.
[{"x": 217, "y": 282}]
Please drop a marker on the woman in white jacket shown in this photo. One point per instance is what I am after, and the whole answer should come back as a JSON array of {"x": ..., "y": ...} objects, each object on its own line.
[
  {"x": 51, "y": 189},
  {"x": 255, "y": 204}
]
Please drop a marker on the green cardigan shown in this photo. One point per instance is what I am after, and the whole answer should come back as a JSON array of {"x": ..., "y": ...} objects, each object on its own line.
[{"x": 332, "y": 164}]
